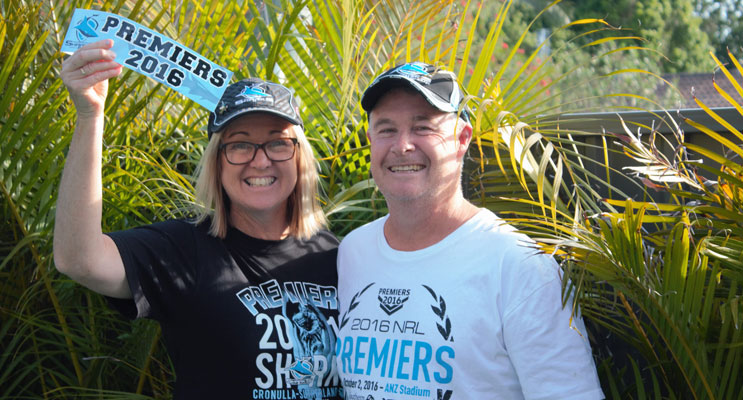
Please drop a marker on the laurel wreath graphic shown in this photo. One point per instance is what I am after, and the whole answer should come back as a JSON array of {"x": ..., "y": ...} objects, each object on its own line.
[
  {"x": 440, "y": 311},
  {"x": 354, "y": 304}
]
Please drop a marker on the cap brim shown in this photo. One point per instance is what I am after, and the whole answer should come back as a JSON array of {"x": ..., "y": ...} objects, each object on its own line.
[{"x": 214, "y": 127}]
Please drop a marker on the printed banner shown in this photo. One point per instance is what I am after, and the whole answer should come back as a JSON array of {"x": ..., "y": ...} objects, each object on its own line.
[{"x": 151, "y": 54}]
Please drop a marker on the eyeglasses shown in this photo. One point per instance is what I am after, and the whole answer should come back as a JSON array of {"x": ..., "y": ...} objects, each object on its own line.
[{"x": 244, "y": 152}]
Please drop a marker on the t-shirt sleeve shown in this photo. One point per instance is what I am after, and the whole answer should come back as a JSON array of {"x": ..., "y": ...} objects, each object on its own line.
[
  {"x": 159, "y": 261},
  {"x": 549, "y": 351}
]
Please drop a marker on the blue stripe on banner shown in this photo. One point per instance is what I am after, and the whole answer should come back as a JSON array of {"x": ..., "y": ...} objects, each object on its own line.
[{"x": 151, "y": 54}]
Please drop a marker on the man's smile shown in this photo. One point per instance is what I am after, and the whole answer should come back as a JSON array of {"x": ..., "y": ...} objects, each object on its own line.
[{"x": 406, "y": 168}]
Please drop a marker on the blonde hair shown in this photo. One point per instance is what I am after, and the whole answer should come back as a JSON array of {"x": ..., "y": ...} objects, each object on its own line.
[{"x": 303, "y": 208}]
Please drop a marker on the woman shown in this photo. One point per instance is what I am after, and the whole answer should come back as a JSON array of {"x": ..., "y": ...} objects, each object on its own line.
[{"x": 244, "y": 293}]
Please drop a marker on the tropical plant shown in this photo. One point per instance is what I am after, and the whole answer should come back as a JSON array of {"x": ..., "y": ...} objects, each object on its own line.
[
  {"x": 59, "y": 340},
  {"x": 664, "y": 277},
  {"x": 695, "y": 309}
]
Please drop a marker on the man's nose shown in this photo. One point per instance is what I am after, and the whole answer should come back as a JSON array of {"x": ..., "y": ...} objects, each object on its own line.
[{"x": 404, "y": 142}]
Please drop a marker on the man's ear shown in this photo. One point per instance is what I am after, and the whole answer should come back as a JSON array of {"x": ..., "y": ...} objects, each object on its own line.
[
  {"x": 464, "y": 138},
  {"x": 368, "y": 126}
]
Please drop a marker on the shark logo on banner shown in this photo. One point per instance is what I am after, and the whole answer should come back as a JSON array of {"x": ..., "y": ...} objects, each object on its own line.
[
  {"x": 86, "y": 28},
  {"x": 151, "y": 54}
]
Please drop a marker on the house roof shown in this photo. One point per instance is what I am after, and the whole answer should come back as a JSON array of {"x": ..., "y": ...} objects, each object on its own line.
[
  {"x": 701, "y": 86},
  {"x": 679, "y": 105},
  {"x": 662, "y": 121}
]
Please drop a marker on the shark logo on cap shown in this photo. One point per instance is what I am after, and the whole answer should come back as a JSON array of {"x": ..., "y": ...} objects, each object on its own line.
[
  {"x": 86, "y": 28},
  {"x": 253, "y": 91},
  {"x": 416, "y": 71},
  {"x": 255, "y": 94}
]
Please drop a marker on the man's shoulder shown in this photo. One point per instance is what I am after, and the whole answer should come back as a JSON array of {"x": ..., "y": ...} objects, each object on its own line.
[
  {"x": 365, "y": 232},
  {"x": 487, "y": 223},
  {"x": 491, "y": 233}
]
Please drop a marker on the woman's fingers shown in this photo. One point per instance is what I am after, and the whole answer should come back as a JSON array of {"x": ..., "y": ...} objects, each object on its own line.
[
  {"x": 95, "y": 70},
  {"x": 81, "y": 63},
  {"x": 86, "y": 72},
  {"x": 83, "y": 57}
]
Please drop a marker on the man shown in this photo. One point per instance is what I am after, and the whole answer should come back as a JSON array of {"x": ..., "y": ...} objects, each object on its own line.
[{"x": 440, "y": 299}]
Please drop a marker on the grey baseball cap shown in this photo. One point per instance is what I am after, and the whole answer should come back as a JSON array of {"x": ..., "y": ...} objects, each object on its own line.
[
  {"x": 254, "y": 95},
  {"x": 438, "y": 86}
]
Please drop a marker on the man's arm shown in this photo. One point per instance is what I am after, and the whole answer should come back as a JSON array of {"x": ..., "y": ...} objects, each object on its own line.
[
  {"x": 548, "y": 347},
  {"x": 81, "y": 250}
]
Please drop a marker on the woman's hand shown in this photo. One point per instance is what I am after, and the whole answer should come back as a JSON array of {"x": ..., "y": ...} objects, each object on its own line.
[{"x": 86, "y": 73}]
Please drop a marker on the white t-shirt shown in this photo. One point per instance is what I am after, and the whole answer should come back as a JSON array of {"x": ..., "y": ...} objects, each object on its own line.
[{"x": 476, "y": 316}]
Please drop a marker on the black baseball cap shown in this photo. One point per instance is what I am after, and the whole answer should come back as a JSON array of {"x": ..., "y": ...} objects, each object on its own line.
[
  {"x": 438, "y": 86},
  {"x": 254, "y": 95}
]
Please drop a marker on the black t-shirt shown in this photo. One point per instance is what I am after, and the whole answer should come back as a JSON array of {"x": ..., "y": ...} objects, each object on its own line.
[{"x": 242, "y": 318}]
